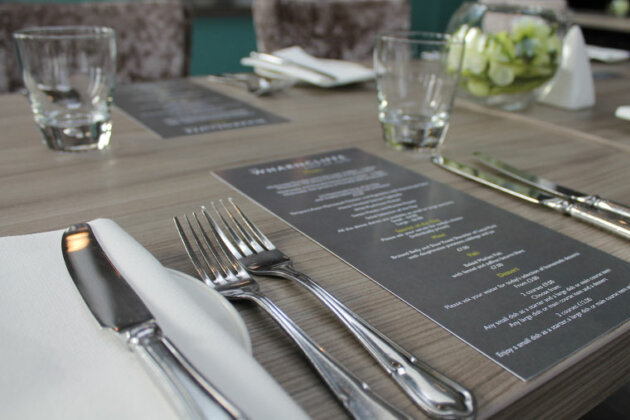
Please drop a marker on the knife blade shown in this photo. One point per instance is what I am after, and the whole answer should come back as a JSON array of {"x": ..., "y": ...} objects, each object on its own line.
[
  {"x": 553, "y": 188},
  {"x": 577, "y": 210},
  {"x": 116, "y": 305}
]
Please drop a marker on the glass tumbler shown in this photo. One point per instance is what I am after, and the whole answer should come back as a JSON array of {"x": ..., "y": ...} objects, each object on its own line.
[
  {"x": 69, "y": 72},
  {"x": 416, "y": 76}
]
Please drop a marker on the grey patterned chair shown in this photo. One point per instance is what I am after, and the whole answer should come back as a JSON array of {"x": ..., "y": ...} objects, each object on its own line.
[
  {"x": 152, "y": 36},
  {"x": 342, "y": 29}
]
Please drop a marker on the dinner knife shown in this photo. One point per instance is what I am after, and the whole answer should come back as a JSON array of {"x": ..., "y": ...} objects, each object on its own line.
[
  {"x": 553, "y": 188},
  {"x": 115, "y": 305},
  {"x": 533, "y": 195}
]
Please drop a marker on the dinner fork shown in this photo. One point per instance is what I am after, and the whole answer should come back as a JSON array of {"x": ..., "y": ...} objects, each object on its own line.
[
  {"x": 436, "y": 394},
  {"x": 222, "y": 271}
]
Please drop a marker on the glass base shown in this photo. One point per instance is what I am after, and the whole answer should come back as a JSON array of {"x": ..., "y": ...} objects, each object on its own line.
[
  {"x": 512, "y": 102},
  {"x": 420, "y": 138},
  {"x": 95, "y": 136}
]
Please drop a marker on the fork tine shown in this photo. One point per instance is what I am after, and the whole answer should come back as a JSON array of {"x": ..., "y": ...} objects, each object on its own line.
[
  {"x": 197, "y": 264},
  {"x": 208, "y": 246},
  {"x": 256, "y": 233},
  {"x": 254, "y": 247},
  {"x": 235, "y": 238},
  {"x": 227, "y": 249}
]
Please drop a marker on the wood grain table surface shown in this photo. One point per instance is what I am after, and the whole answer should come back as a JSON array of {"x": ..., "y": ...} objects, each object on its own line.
[
  {"x": 597, "y": 123},
  {"x": 143, "y": 180}
]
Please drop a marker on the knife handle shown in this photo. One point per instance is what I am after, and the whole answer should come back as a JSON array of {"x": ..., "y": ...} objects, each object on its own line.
[
  {"x": 193, "y": 396},
  {"x": 601, "y": 220},
  {"x": 611, "y": 206}
]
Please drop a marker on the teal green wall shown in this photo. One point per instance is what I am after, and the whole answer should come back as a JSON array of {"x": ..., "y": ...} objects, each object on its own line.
[
  {"x": 219, "y": 43},
  {"x": 432, "y": 15}
]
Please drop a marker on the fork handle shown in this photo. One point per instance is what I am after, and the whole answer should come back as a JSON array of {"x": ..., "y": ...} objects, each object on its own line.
[
  {"x": 354, "y": 394},
  {"x": 432, "y": 391}
]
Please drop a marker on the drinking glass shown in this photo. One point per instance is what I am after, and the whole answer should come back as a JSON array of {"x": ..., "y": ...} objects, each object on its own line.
[
  {"x": 69, "y": 72},
  {"x": 416, "y": 76}
]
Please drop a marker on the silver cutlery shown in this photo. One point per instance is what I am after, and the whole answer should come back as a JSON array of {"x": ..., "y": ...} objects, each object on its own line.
[
  {"x": 436, "y": 394},
  {"x": 580, "y": 211},
  {"x": 553, "y": 188},
  {"x": 115, "y": 305},
  {"x": 280, "y": 61},
  {"x": 257, "y": 85},
  {"x": 220, "y": 270}
]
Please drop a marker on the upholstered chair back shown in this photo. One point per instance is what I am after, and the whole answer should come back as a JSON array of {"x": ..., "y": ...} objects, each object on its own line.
[
  {"x": 152, "y": 36},
  {"x": 342, "y": 29}
]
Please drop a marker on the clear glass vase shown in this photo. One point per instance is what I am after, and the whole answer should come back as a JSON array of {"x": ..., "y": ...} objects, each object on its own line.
[{"x": 511, "y": 55}]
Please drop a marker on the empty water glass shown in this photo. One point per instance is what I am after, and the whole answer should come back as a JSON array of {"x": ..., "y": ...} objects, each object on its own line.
[
  {"x": 69, "y": 72},
  {"x": 417, "y": 75}
]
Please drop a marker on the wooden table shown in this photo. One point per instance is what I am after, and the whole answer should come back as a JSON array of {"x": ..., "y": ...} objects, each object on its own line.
[
  {"x": 597, "y": 123},
  {"x": 143, "y": 180}
]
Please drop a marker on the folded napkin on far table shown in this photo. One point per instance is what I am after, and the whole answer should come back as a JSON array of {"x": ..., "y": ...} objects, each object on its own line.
[
  {"x": 345, "y": 72},
  {"x": 623, "y": 112},
  {"x": 607, "y": 55},
  {"x": 57, "y": 362}
]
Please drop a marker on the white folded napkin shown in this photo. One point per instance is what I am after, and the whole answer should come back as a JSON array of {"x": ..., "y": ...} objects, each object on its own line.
[
  {"x": 346, "y": 72},
  {"x": 58, "y": 363},
  {"x": 607, "y": 55},
  {"x": 623, "y": 112}
]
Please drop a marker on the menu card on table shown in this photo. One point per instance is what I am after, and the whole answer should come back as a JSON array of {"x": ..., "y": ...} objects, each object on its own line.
[
  {"x": 180, "y": 107},
  {"x": 522, "y": 294}
]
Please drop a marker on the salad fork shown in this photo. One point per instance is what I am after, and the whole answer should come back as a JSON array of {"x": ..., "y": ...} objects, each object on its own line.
[
  {"x": 222, "y": 271},
  {"x": 433, "y": 392}
]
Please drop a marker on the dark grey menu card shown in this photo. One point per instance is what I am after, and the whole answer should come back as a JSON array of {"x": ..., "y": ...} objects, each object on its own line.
[
  {"x": 520, "y": 293},
  {"x": 180, "y": 107}
]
